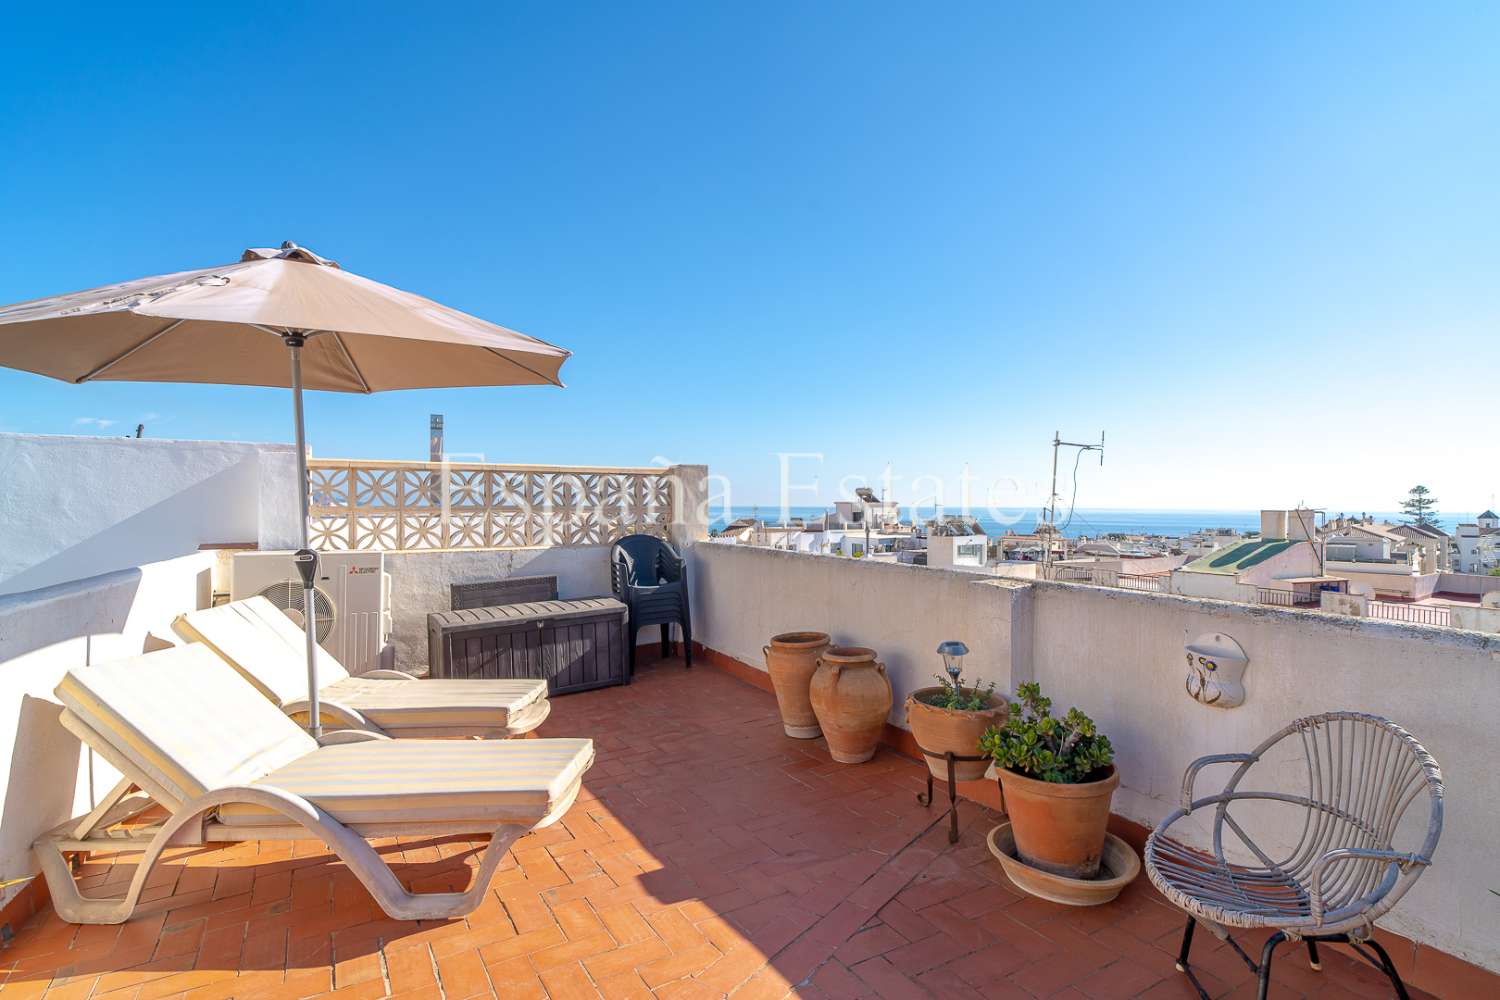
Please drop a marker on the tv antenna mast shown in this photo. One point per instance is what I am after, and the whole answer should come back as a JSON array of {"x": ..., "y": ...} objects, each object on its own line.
[{"x": 1058, "y": 442}]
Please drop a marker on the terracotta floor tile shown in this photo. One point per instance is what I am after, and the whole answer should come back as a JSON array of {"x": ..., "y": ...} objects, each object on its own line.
[
  {"x": 679, "y": 964},
  {"x": 569, "y": 982},
  {"x": 787, "y": 875},
  {"x": 624, "y": 986},
  {"x": 886, "y": 980},
  {"x": 865, "y": 944},
  {"x": 1122, "y": 979}
]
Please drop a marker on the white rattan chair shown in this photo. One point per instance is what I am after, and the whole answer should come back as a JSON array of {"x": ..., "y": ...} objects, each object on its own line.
[{"x": 1342, "y": 873}]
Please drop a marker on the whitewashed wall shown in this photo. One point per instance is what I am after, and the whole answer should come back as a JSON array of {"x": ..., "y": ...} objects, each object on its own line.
[
  {"x": 45, "y": 775},
  {"x": 743, "y": 595},
  {"x": 1118, "y": 655},
  {"x": 74, "y": 507}
]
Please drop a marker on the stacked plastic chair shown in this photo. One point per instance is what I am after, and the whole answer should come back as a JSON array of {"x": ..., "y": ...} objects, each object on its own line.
[{"x": 650, "y": 578}]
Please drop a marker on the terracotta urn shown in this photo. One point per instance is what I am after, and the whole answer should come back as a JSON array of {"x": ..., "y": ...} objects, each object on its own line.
[
  {"x": 1059, "y": 828},
  {"x": 791, "y": 659},
  {"x": 944, "y": 730},
  {"x": 852, "y": 698}
]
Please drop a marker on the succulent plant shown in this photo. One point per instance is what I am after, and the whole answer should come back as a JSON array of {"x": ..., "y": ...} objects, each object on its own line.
[{"x": 1032, "y": 742}]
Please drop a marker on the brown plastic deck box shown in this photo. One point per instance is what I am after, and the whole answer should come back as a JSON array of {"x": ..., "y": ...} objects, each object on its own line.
[{"x": 575, "y": 645}]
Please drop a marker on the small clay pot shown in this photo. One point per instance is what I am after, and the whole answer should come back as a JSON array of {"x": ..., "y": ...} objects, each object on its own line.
[
  {"x": 852, "y": 698},
  {"x": 791, "y": 660},
  {"x": 1059, "y": 828},
  {"x": 941, "y": 730}
]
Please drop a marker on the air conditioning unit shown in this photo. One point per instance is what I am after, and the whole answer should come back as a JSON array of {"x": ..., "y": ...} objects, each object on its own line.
[{"x": 352, "y": 596}]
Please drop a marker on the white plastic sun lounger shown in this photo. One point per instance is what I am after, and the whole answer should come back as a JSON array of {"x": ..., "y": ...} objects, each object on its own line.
[
  {"x": 269, "y": 650},
  {"x": 229, "y": 766}
]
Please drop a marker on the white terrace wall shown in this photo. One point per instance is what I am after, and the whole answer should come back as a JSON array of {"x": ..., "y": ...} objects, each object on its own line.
[
  {"x": 1118, "y": 654},
  {"x": 1467, "y": 583},
  {"x": 743, "y": 595},
  {"x": 45, "y": 775},
  {"x": 74, "y": 507}
]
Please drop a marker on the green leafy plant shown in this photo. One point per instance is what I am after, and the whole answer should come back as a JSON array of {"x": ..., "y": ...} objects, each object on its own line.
[
  {"x": 953, "y": 695},
  {"x": 1069, "y": 750}
]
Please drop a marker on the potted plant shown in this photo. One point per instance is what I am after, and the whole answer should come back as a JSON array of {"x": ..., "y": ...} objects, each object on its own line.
[
  {"x": 952, "y": 718},
  {"x": 1057, "y": 776}
]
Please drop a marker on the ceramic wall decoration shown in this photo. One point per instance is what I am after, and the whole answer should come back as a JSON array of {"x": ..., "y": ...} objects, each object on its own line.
[{"x": 1216, "y": 670}]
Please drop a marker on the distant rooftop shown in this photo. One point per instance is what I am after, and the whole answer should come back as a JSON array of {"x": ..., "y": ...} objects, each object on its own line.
[{"x": 1243, "y": 556}]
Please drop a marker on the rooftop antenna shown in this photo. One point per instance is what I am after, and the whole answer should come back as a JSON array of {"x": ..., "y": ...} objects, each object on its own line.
[
  {"x": 435, "y": 437},
  {"x": 1058, "y": 442},
  {"x": 867, "y": 497}
]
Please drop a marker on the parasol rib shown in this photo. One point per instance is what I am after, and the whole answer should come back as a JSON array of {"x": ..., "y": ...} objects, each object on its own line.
[
  {"x": 339, "y": 339},
  {"x": 153, "y": 338}
]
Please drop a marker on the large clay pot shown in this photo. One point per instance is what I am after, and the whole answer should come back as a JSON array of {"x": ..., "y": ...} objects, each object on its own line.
[
  {"x": 852, "y": 698},
  {"x": 944, "y": 730},
  {"x": 1059, "y": 828},
  {"x": 791, "y": 659}
]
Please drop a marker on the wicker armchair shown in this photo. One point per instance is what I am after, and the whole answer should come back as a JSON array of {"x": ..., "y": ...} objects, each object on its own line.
[
  {"x": 1344, "y": 871},
  {"x": 650, "y": 578}
]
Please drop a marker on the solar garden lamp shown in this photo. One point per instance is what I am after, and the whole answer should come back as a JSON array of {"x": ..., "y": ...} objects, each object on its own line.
[{"x": 953, "y": 653}]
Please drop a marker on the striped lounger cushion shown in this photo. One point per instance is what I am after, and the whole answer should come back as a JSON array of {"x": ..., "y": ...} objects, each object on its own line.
[
  {"x": 183, "y": 717},
  {"x": 246, "y": 633},
  {"x": 393, "y": 781},
  {"x": 192, "y": 724}
]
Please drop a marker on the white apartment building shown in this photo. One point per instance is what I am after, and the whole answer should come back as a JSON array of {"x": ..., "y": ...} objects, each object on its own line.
[
  {"x": 957, "y": 544},
  {"x": 1478, "y": 545}
]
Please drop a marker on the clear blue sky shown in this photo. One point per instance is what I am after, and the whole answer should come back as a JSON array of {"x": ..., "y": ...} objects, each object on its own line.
[{"x": 1258, "y": 245}]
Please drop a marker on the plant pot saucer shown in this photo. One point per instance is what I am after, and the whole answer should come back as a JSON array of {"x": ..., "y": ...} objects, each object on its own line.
[{"x": 1119, "y": 868}]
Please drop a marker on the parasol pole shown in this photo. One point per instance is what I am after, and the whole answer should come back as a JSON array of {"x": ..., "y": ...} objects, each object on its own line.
[{"x": 306, "y": 559}]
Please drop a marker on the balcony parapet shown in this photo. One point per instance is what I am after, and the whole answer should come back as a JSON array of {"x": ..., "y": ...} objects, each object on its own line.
[{"x": 436, "y": 506}]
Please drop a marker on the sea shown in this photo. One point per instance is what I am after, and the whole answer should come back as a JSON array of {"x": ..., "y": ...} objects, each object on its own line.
[{"x": 1092, "y": 522}]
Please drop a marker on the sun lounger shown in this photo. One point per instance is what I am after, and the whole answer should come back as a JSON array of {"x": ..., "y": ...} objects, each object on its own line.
[
  {"x": 228, "y": 765},
  {"x": 269, "y": 650}
]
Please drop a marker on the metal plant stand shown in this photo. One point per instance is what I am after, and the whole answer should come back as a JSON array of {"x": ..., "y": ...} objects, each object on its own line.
[{"x": 925, "y": 798}]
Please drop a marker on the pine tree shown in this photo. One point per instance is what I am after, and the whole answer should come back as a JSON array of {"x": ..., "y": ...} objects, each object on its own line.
[{"x": 1419, "y": 507}]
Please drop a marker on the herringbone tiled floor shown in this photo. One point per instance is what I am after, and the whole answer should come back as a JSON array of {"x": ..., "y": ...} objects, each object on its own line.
[{"x": 709, "y": 856}]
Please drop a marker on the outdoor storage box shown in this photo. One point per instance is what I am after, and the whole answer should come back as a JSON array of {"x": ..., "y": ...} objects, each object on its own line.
[{"x": 576, "y": 645}]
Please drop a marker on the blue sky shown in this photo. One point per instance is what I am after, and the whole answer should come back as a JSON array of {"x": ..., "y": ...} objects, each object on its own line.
[{"x": 1258, "y": 245}]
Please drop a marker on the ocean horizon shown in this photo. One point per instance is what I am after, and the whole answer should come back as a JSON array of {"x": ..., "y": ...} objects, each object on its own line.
[{"x": 1093, "y": 522}]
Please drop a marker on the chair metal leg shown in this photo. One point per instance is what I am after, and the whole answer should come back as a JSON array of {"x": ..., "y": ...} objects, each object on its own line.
[
  {"x": 1187, "y": 944},
  {"x": 1390, "y": 969},
  {"x": 1266, "y": 955},
  {"x": 1312, "y": 955}
]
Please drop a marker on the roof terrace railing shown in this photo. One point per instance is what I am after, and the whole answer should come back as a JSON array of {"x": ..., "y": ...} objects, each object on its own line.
[
  {"x": 1287, "y": 598},
  {"x": 1416, "y": 614},
  {"x": 1157, "y": 583},
  {"x": 433, "y": 506}
]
